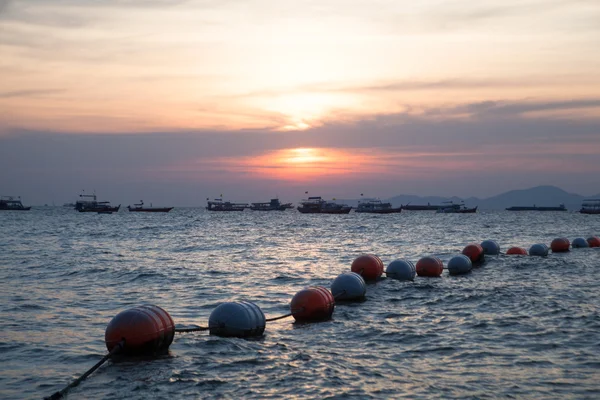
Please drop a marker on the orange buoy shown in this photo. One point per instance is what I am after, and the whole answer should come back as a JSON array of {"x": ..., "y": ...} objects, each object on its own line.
[
  {"x": 593, "y": 241},
  {"x": 475, "y": 252},
  {"x": 312, "y": 304},
  {"x": 517, "y": 251},
  {"x": 147, "y": 330},
  {"x": 368, "y": 266},
  {"x": 560, "y": 245},
  {"x": 429, "y": 266}
]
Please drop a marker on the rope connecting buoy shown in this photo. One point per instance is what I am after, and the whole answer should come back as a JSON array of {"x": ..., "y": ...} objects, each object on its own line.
[
  {"x": 147, "y": 330},
  {"x": 349, "y": 286},
  {"x": 475, "y": 253},
  {"x": 560, "y": 245},
  {"x": 539, "y": 249},
  {"x": 369, "y": 266},
  {"x": 430, "y": 266},
  {"x": 593, "y": 241},
  {"x": 579, "y": 243},
  {"x": 516, "y": 251},
  {"x": 402, "y": 270},
  {"x": 237, "y": 319},
  {"x": 312, "y": 304},
  {"x": 459, "y": 265},
  {"x": 490, "y": 247}
]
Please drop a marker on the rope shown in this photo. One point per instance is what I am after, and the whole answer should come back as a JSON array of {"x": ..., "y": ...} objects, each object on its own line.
[
  {"x": 280, "y": 317},
  {"x": 340, "y": 294},
  {"x": 197, "y": 329},
  {"x": 115, "y": 350}
]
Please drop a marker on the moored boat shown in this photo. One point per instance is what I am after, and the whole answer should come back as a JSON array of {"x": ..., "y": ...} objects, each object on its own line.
[
  {"x": 561, "y": 207},
  {"x": 139, "y": 207},
  {"x": 428, "y": 207},
  {"x": 590, "y": 206},
  {"x": 10, "y": 203},
  {"x": 93, "y": 205},
  {"x": 316, "y": 205},
  {"x": 376, "y": 206},
  {"x": 220, "y": 205},
  {"x": 273, "y": 205},
  {"x": 460, "y": 210}
]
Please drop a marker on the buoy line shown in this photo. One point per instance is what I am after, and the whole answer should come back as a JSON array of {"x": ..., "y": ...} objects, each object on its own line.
[{"x": 149, "y": 330}]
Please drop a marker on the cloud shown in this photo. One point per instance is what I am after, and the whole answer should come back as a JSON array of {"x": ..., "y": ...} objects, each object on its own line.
[{"x": 30, "y": 93}]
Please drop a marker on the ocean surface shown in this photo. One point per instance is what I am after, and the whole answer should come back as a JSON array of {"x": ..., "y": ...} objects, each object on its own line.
[{"x": 517, "y": 327}]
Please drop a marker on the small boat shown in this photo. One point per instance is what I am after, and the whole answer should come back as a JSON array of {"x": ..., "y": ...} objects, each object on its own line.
[
  {"x": 92, "y": 205},
  {"x": 428, "y": 207},
  {"x": 10, "y": 203},
  {"x": 376, "y": 206},
  {"x": 453, "y": 210},
  {"x": 220, "y": 205},
  {"x": 140, "y": 208},
  {"x": 273, "y": 205},
  {"x": 590, "y": 206},
  {"x": 561, "y": 207},
  {"x": 316, "y": 205}
]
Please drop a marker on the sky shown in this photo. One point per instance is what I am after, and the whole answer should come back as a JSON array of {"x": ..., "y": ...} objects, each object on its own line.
[{"x": 176, "y": 101}]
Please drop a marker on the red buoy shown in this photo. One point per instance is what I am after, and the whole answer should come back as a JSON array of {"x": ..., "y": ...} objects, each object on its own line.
[
  {"x": 517, "y": 251},
  {"x": 312, "y": 304},
  {"x": 560, "y": 245},
  {"x": 593, "y": 241},
  {"x": 475, "y": 252},
  {"x": 429, "y": 266},
  {"x": 147, "y": 330},
  {"x": 368, "y": 266}
]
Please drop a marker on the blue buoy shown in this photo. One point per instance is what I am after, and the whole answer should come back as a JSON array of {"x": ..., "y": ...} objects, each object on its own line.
[
  {"x": 459, "y": 265},
  {"x": 539, "y": 249},
  {"x": 237, "y": 319},
  {"x": 490, "y": 247},
  {"x": 579, "y": 242},
  {"x": 402, "y": 270},
  {"x": 348, "y": 286}
]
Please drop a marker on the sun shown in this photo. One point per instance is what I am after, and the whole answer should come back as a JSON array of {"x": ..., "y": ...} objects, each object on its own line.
[{"x": 303, "y": 156}]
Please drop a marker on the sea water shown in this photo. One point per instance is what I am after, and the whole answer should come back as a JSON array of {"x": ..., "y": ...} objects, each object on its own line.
[{"x": 517, "y": 327}]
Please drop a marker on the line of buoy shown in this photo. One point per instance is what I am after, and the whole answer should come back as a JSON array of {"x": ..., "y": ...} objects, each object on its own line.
[{"x": 149, "y": 329}]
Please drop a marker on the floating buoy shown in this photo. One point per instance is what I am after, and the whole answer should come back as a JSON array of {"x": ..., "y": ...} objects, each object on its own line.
[
  {"x": 368, "y": 266},
  {"x": 237, "y": 319},
  {"x": 560, "y": 245},
  {"x": 459, "y": 265},
  {"x": 593, "y": 241},
  {"x": 312, "y": 304},
  {"x": 516, "y": 251},
  {"x": 147, "y": 330},
  {"x": 490, "y": 247},
  {"x": 429, "y": 266},
  {"x": 579, "y": 243},
  {"x": 348, "y": 286},
  {"x": 402, "y": 270},
  {"x": 539, "y": 249},
  {"x": 475, "y": 253}
]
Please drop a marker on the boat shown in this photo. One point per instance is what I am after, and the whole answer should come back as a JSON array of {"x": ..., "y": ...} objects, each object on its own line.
[
  {"x": 376, "y": 206},
  {"x": 428, "y": 207},
  {"x": 273, "y": 205},
  {"x": 93, "y": 205},
  {"x": 105, "y": 212},
  {"x": 316, "y": 205},
  {"x": 561, "y": 207},
  {"x": 139, "y": 207},
  {"x": 454, "y": 210},
  {"x": 10, "y": 203},
  {"x": 220, "y": 205},
  {"x": 590, "y": 206}
]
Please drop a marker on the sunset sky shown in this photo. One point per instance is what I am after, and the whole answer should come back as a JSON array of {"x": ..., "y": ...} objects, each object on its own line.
[{"x": 175, "y": 101}]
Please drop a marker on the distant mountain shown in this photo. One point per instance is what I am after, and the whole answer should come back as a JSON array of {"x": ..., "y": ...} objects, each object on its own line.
[{"x": 539, "y": 196}]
